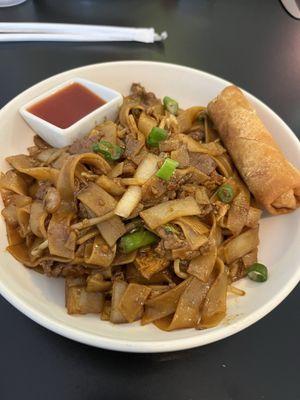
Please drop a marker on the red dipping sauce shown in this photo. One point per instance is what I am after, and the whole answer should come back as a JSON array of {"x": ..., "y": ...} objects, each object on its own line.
[{"x": 67, "y": 106}]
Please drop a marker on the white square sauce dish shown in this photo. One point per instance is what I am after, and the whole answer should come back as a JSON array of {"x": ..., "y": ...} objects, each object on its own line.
[{"x": 70, "y": 110}]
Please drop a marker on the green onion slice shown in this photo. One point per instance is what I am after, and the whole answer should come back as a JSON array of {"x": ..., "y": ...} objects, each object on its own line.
[
  {"x": 109, "y": 150},
  {"x": 171, "y": 105},
  {"x": 258, "y": 272},
  {"x": 135, "y": 240},
  {"x": 155, "y": 136},
  {"x": 225, "y": 193},
  {"x": 167, "y": 169}
]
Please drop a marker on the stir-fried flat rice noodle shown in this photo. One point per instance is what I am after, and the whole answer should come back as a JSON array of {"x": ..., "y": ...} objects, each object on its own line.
[{"x": 133, "y": 217}]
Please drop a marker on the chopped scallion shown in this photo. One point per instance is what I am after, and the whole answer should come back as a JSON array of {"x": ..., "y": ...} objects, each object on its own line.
[
  {"x": 258, "y": 272},
  {"x": 171, "y": 105},
  {"x": 225, "y": 193},
  {"x": 167, "y": 169}
]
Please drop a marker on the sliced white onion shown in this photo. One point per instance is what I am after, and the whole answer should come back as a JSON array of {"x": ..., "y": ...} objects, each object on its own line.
[
  {"x": 147, "y": 168},
  {"x": 128, "y": 201}
]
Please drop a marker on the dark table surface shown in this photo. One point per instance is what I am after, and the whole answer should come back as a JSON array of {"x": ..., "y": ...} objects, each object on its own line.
[{"x": 255, "y": 44}]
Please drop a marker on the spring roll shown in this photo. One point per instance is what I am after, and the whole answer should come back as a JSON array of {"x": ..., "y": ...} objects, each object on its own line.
[{"x": 273, "y": 181}]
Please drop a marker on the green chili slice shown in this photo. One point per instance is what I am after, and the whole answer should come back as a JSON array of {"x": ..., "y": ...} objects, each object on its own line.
[
  {"x": 135, "y": 240},
  {"x": 110, "y": 151},
  {"x": 155, "y": 136}
]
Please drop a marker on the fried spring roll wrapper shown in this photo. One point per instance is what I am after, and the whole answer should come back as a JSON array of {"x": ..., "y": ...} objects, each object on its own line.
[{"x": 274, "y": 182}]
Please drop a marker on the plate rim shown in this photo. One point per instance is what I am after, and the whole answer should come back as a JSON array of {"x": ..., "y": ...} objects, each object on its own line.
[{"x": 207, "y": 336}]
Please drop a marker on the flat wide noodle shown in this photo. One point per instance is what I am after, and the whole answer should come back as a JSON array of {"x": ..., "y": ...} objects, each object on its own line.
[
  {"x": 164, "y": 304},
  {"x": 253, "y": 217},
  {"x": 13, "y": 236},
  {"x": 112, "y": 186},
  {"x": 23, "y": 217},
  {"x": 195, "y": 231},
  {"x": 224, "y": 164},
  {"x": 188, "y": 309},
  {"x": 212, "y": 149},
  {"x": 124, "y": 258},
  {"x": 60, "y": 237},
  {"x": 99, "y": 253},
  {"x": 238, "y": 213},
  {"x": 187, "y": 117},
  {"x": 27, "y": 165},
  {"x": 202, "y": 266},
  {"x": 48, "y": 156},
  {"x": 146, "y": 123},
  {"x": 215, "y": 235},
  {"x": 96, "y": 283},
  {"x": 96, "y": 199},
  {"x": 21, "y": 253},
  {"x": 37, "y": 219},
  {"x": 111, "y": 230},
  {"x": 149, "y": 263},
  {"x": 214, "y": 307},
  {"x": 11, "y": 180},
  {"x": 166, "y": 212},
  {"x": 133, "y": 300},
  {"x": 9, "y": 213},
  {"x": 125, "y": 110},
  {"x": 66, "y": 179},
  {"x": 107, "y": 131},
  {"x": 119, "y": 288},
  {"x": 241, "y": 245},
  {"x": 79, "y": 301}
]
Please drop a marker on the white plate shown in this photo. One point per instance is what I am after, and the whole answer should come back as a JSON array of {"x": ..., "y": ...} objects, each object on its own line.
[{"x": 42, "y": 299}]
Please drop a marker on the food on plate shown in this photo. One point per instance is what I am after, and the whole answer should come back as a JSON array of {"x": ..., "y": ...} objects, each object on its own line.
[
  {"x": 146, "y": 217},
  {"x": 273, "y": 181}
]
